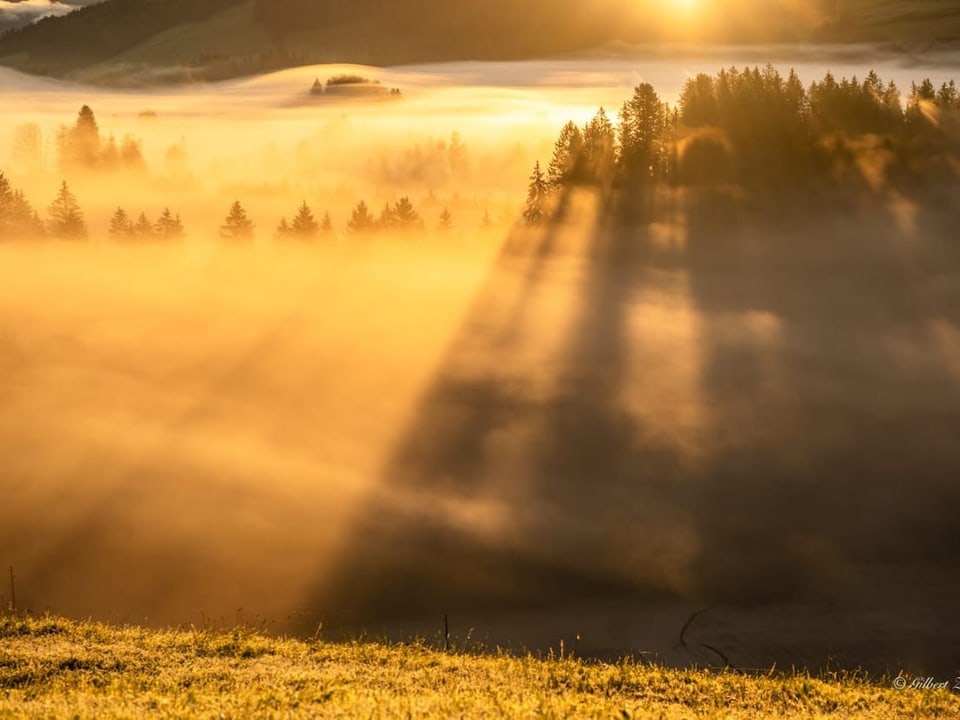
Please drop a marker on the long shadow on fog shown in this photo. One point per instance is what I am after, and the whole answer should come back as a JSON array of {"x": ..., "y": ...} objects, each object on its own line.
[
  {"x": 573, "y": 482},
  {"x": 834, "y": 457},
  {"x": 827, "y": 481}
]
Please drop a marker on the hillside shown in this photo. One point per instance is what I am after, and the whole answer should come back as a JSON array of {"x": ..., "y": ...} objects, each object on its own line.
[
  {"x": 120, "y": 40},
  {"x": 57, "y": 668}
]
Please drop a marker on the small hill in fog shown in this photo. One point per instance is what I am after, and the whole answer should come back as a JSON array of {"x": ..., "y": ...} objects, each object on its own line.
[{"x": 144, "y": 41}]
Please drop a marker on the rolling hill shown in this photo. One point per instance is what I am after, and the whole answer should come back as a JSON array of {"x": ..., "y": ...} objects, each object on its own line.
[{"x": 131, "y": 41}]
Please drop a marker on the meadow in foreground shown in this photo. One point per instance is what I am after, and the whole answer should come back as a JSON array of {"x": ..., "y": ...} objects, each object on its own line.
[{"x": 50, "y": 667}]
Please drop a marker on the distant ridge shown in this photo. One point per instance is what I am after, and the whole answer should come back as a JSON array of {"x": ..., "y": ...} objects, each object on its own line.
[{"x": 145, "y": 41}]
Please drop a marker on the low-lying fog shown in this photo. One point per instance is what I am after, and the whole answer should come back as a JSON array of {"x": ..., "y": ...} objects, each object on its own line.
[{"x": 380, "y": 430}]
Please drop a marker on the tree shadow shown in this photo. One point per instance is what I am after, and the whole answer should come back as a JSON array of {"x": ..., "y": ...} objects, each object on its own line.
[
  {"x": 832, "y": 451},
  {"x": 548, "y": 445}
]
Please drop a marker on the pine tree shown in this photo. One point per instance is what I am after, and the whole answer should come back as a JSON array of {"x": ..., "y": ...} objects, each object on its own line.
[
  {"x": 361, "y": 221},
  {"x": 65, "y": 216},
  {"x": 599, "y": 147},
  {"x": 446, "y": 221},
  {"x": 237, "y": 225},
  {"x": 121, "y": 227},
  {"x": 143, "y": 229},
  {"x": 387, "y": 219},
  {"x": 169, "y": 226},
  {"x": 131, "y": 155},
  {"x": 535, "y": 211},
  {"x": 406, "y": 217},
  {"x": 326, "y": 227},
  {"x": 110, "y": 156},
  {"x": 305, "y": 225},
  {"x": 486, "y": 222},
  {"x": 17, "y": 217},
  {"x": 6, "y": 200},
  {"x": 643, "y": 125},
  {"x": 567, "y": 157},
  {"x": 283, "y": 230},
  {"x": 80, "y": 145}
]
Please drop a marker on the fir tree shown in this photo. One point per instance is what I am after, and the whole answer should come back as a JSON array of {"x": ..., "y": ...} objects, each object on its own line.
[
  {"x": 567, "y": 157},
  {"x": 446, "y": 221},
  {"x": 535, "y": 210},
  {"x": 6, "y": 199},
  {"x": 121, "y": 227},
  {"x": 110, "y": 157},
  {"x": 305, "y": 225},
  {"x": 406, "y": 217},
  {"x": 387, "y": 219},
  {"x": 131, "y": 155},
  {"x": 361, "y": 221},
  {"x": 169, "y": 226},
  {"x": 599, "y": 147},
  {"x": 143, "y": 229},
  {"x": 237, "y": 225},
  {"x": 643, "y": 125},
  {"x": 80, "y": 145},
  {"x": 326, "y": 227},
  {"x": 17, "y": 218},
  {"x": 283, "y": 230},
  {"x": 65, "y": 218}
]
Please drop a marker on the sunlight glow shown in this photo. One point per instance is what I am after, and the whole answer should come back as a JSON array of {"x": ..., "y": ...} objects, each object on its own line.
[{"x": 684, "y": 6}]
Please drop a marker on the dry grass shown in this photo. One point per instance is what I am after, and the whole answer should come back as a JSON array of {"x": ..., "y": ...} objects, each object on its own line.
[{"x": 51, "y": 667}]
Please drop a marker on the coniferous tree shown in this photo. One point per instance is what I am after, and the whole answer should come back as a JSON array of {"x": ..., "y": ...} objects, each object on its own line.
[
  {"x": 361, "y": 221},
  {"x": 304, "y": 224},
  {"x": 143, "y": 229},
  {"x": 110, "y": 157},
  {"x": 65, "y": 216},
  {"x": 121, "y": 227},
  {"x": 599, "y": 148},
  {"x": 643, "y": 125},
  {"x": 388, "y": 218},
  {"x": 80, "y": 145},
  {"x": 486, "y": 222},
  {"x": 446, "y": 221},
  {"x": 17, "y": 217},
  {"x": 948, "y": 97},
  {"x": 6, "y": 202},
  {"x": 131, "y": 155},
  {"x": 698, "y": 103},
  {"x": 535, "y": 211},
  {"x": 566, "y": 163},
  {"x": 326, "y": 226},
  {"x": 169, "y": 226},
  {"x": 283, "y": 230},
  {"x": 237, "y": 225},
  {"x": 406, "y": 217}
]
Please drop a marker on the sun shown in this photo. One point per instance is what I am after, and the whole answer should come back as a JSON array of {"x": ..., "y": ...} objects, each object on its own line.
[{"x": 684, "y": 6}]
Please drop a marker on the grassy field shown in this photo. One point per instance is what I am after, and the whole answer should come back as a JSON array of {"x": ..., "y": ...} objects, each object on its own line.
[{"x": 51, "y": 667}]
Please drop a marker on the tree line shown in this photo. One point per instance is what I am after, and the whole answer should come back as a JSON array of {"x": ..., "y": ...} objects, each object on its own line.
[
  {"x": 65, "y": 220},
  {"x": 757, "y": 129}
]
